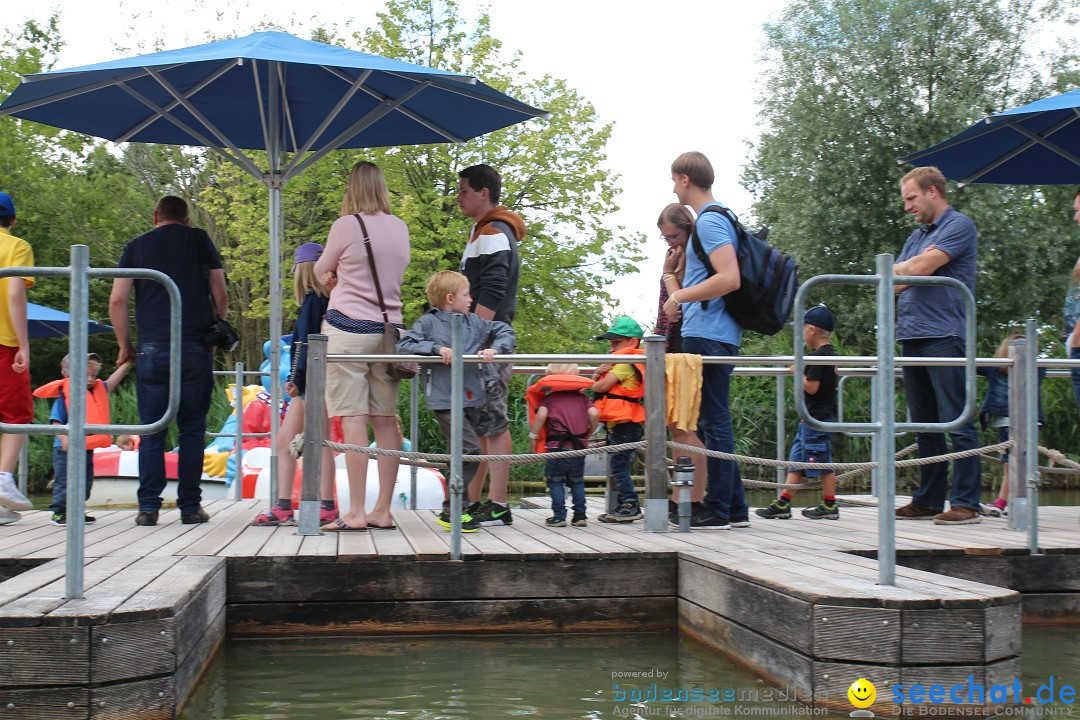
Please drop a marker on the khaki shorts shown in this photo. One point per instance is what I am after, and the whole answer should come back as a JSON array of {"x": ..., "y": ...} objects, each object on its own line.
[{"x": 354, "y": 388}]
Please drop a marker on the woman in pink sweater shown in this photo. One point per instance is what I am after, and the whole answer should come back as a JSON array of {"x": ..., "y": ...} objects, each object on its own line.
[{"x": 358, "y": 392}]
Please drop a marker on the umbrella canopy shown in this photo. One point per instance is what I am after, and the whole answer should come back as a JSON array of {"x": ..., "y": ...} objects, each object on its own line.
[
  {"x": 1036, "y": 144},
  {"x": 45, "y": 322}
]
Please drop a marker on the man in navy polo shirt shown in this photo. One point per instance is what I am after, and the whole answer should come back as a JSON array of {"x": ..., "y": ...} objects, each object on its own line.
[
  {"x": 181, "y": 252},
  {"x": 930, "y": 323}
]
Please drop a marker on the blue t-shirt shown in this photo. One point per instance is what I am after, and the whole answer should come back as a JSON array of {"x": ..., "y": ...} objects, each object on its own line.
[
  {"x": 714, "y": 230},
  {"x": 926, "y": 311},
  {"x": 179, "y": 251}
]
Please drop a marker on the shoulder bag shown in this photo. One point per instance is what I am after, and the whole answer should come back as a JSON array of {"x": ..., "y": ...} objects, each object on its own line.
[{"x": 391, "y": 334}]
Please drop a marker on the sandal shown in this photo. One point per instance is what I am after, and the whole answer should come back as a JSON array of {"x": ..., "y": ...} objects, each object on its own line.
[
  {"x": 338, "y": 525},
  {"x": 274, "y": 517}
]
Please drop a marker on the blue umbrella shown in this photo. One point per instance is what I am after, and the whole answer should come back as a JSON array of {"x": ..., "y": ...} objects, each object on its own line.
[
  {"x": 1036, "y": 144},
  {"x": 267, "y": 91},
  {"x": 45, "y": 322}
]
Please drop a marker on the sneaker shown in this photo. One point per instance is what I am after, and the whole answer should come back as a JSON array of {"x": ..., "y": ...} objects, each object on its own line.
[
  {"x": 328, "y": 516},
  {"x": 466, "y": 517},
  {"x": 743, "y": 522},
  {"x": 957, "y": 516},
  {"x": 775, "y": 511},
  {"x": 195, "y": 517},
  {"x": 147, "y": 517},
  {"x": 277, "y": 516},
  {"x": 8, "y": 516},
  {"x": 696, "y": 508},
  {"x": 911, "y": 511},
  {"x": 58, "y": 519},
  {"x": 492, "y": 513},
  {"x": 626, "y": 512},
  {"x": 992, "y": 510},
  {"x": 11, "y": 497},
  {"x": 707, "y": 521},
  {"x": 822, "y": 512},
  {"x": 579, "y": 520},
  {"x": 89, "y": 519},
  {"x": 555, "y": 522}
]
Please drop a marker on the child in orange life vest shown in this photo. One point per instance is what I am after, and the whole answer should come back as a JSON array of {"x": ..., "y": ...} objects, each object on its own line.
[
  {"x": 563, "y": 418},
  {"x": 97, "y": 413},
  {"x": 619, "y": 391}
]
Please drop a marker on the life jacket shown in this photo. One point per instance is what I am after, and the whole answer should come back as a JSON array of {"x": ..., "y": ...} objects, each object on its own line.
[
  {"x": 541, "y": 389},
  {"x": 620, "y": 404},
  {"x": 97, "y": 406}
]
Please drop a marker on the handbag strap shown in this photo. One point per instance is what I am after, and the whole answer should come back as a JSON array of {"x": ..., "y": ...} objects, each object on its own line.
[{"x": 374, "y": 271}]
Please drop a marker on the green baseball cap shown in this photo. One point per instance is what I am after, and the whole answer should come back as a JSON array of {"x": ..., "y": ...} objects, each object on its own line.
[{"x": 622, "y": 327}]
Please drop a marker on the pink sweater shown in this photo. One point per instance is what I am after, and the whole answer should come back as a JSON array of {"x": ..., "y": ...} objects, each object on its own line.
[{"x": 345, "y": 255}]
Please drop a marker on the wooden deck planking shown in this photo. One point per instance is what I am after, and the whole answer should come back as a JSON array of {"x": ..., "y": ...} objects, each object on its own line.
[
  {"x": 231, "y": 521},
  {"x": 580, "y": 536},
  {"x": 357, "y": 546},
  {"x": 423, "y": 540},
  {"x": 281, "y": 542}
]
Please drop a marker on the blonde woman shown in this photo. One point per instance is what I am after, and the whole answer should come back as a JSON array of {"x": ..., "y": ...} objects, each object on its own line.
[{"x": 359, "y": 393}]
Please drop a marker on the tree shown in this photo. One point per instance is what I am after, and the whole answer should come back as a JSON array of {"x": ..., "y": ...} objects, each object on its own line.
[{"x": 855, "y": 84}]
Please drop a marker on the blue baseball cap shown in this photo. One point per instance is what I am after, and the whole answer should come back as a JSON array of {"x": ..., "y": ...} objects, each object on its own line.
[
  {"x": 819, "y": 316},
  {"x": 7, "y": 205},
  {"x": 308, "y": 252}
]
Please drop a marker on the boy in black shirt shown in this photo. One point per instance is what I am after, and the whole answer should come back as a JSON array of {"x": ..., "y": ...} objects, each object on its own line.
[{"x": 819, "y": 387}]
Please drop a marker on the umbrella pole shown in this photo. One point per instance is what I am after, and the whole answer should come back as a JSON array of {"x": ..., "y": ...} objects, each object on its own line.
[{"x": 273, "y": 181}]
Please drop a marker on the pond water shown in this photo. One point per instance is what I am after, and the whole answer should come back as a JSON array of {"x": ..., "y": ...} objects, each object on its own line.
[{"x": 560, "y": 677}]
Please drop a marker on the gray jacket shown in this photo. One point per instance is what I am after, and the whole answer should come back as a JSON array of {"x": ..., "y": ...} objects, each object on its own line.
[{"x": 432, "y": 331}]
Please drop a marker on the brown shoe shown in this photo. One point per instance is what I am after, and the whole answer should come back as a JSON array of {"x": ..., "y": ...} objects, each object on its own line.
[
  {"x": 958, "y": 516},
  {"x": 911, "y": 511}
]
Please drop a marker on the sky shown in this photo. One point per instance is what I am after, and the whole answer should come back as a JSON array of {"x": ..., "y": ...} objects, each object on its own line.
[{"x": 671, "y": 76}]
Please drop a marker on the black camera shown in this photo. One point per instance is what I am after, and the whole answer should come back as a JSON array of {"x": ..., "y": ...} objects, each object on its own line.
[{"x": 222, "y": 335}]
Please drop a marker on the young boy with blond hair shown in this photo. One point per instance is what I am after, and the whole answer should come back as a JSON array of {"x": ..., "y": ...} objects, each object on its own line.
[
  {"x": 448, "y": 292},
  {"x": 562, "y": 418}
]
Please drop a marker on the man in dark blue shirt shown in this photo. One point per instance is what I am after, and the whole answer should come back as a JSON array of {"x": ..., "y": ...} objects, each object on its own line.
[
  {"x": 182, "y": 253},
  {"x": 930, "y": 323}
]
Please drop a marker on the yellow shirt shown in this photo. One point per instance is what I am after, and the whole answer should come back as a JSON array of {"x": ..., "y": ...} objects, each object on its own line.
[{"x": 14, "y": 252}]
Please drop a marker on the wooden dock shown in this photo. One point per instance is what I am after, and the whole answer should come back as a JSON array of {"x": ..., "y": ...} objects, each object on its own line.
[{"x": 797, "y": 600}]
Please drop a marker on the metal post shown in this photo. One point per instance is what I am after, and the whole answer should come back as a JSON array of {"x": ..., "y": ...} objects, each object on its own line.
[
  {"x": 457, "y": 402},
  {"x": 684, "y": 480},
  {"x": 781, "y": 430},
  {"x": 238, "y": 443},
  {"x": 1031, "y": 438},
  {"x": 656, "y": 474},
  {"x": 885, "y": 411},
  {"x": 414, "y": 434},
  {"x": 76, "y": 425},
  {"x": 24, "y": 466},
  {"x": 314, "y": 421}
]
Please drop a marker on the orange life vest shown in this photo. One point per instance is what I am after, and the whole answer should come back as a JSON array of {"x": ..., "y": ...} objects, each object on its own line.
[
  {"x": 544, "y": 387},
  {"x": 97, "y": 407},
  {"x": 620, "y": 404}
]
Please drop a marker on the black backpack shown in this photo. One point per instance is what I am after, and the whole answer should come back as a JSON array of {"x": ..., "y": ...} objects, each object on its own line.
[{"x": 769, "y": 279}]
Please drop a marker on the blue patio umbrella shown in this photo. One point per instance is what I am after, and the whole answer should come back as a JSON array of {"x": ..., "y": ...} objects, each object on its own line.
[
  {"x": 267, "y": 91},
  {"x": 1036, "y": 144},
  {"x": 46, "y": 322}
]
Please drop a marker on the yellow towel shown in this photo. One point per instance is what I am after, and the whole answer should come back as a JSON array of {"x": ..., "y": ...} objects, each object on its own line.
[{"x": 683, "y": 393}]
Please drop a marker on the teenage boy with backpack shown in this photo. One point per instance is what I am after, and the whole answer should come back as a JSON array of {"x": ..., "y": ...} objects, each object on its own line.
[{"x": 708, "y": 329}]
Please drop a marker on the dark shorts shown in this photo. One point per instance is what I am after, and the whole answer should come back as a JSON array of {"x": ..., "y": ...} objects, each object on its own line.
[
  {"x": 811, "y": 446},
  {"x": 18, "y": 405},
  {"x": 491, "y": 416}
]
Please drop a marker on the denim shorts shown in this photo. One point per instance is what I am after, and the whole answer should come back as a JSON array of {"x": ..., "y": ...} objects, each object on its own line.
[{"x": 810, "y": 446}]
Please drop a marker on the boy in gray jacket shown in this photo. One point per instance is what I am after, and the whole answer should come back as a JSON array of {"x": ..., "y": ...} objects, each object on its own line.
[{"x": 448, "y": 292}]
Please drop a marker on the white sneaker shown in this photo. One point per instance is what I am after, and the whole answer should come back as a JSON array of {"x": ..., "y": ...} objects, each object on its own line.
[
  {"x": 991, "y": 510},
  {"x": 11, "y": 498},
  {"x": 8, "y": 516}
]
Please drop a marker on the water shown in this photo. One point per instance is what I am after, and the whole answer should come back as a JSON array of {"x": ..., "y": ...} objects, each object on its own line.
[{"x": 561, "y": 677}]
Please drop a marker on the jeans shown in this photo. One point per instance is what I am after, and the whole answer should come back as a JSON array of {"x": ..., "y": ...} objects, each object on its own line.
[
  {"x": 1074, "y": 354},
  {"x": 60, "y": 477},
  {"x": 936, "y": 394},
  {"x": 152, "y": 390},
  {"x": 724, "y": 495},
  {"x": 811, "y": 445},
  {"x": 624, "y": 432},
  {"x": 562, "y": 473}
]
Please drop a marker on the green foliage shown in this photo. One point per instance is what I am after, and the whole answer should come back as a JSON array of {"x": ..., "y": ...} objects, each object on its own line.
[{"x": 856, "y": 83}]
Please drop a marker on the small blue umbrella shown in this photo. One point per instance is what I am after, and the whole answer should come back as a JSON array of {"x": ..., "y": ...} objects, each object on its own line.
[
  {"x": 45, "y": 322},
  {"x": 1036, "y": 144}
]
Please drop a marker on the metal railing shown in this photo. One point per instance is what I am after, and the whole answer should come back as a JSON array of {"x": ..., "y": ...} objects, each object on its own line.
[{"x": 76, "y": 428}]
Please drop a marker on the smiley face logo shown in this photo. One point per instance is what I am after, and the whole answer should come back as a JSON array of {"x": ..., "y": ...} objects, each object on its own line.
[{"x": 862, "y": 693}]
